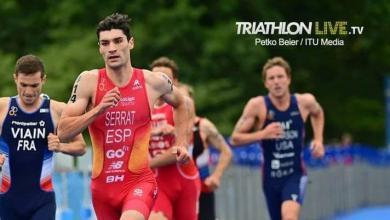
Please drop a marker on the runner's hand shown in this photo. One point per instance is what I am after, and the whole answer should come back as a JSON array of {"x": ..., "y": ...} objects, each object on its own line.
[
  {"x": 110, "y": 99},
  {"x": 182, "y": 155},
  {"x": 53, "y": 142},
  {"x": 212, "y": 182},
  {"x": 317, "y": 149},
  {"x": 273, "y": 131}
]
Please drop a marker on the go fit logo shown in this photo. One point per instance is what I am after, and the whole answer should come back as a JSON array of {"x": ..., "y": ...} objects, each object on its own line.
[{"x": 119, "y": 153}]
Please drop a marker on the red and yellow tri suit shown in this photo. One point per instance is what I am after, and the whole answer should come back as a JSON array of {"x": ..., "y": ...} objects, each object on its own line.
[
  {"x": 121, "y": 177},
  {"x": 179, "y": 185}
]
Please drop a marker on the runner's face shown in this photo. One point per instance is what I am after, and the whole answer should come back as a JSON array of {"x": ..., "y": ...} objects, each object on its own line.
[
  {"x": 277, "y": 81},
  {"x": 115, "y": 48},
  {"x": 29, "y": 87}
]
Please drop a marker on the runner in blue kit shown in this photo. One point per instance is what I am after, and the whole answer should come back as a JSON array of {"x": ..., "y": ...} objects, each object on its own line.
[
  {"x": 28, "y": 140},
  {"x": 277, "y": 120}
]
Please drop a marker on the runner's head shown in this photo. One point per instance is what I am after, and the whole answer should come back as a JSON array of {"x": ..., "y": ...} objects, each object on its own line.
[{"x": 29, "y": 77}]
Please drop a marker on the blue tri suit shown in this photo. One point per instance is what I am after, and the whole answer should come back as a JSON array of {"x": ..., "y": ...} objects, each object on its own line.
[
  {"x": 26, "y": 190},
  {"x": 284, "y": 177}
]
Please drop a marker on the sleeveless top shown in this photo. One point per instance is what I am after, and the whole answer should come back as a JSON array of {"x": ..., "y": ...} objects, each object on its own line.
[
  {"x": 120, "y": 136},
  {"x": 282, "y": 156},
  {"x": 164, "y": 115},
  {"x": 28, "y": 166}
]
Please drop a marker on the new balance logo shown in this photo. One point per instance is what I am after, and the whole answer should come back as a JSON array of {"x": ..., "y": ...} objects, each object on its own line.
[{"x": 115, "y": 165}]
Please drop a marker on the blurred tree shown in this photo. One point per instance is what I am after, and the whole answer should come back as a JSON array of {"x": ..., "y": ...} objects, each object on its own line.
[{"x": 224, "y": 68}]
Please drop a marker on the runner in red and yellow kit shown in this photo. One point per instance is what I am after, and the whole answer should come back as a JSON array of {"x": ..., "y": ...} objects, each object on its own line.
[
  {"x": 115, "y": 103},
  {"x": 179, "y": 184},
  {"x": 119, "y": 137}
]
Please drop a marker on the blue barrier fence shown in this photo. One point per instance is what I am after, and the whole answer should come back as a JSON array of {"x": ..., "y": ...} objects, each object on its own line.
[
  {"x": 251, "y": 155},
  {"x": 73, "y": 187},
  {"x": 73, "y": 197}
]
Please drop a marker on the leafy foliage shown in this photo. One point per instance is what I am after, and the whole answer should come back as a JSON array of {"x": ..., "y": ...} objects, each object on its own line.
[{"x": 224, "y": 68}]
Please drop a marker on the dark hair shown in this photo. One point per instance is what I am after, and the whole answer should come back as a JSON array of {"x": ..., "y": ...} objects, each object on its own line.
[
  {"x": 29, "y": 64},
  {"x": 166, "y": 62},
  {"x": 276, "y": 61},
  {"x": 115, "y": 21}
]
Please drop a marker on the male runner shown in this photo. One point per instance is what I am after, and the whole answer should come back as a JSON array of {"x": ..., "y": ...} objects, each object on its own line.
[
  {"x": 115, "y": 103},
  {"x": 28, "y": 140},
  {"x": 277, "y": 119},
  {"x": 179, "y": 184},
  {"x": 206, "y": 135}
]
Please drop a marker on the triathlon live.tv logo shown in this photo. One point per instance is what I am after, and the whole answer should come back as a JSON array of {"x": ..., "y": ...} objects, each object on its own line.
[{"x": 309, "y": 31}]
